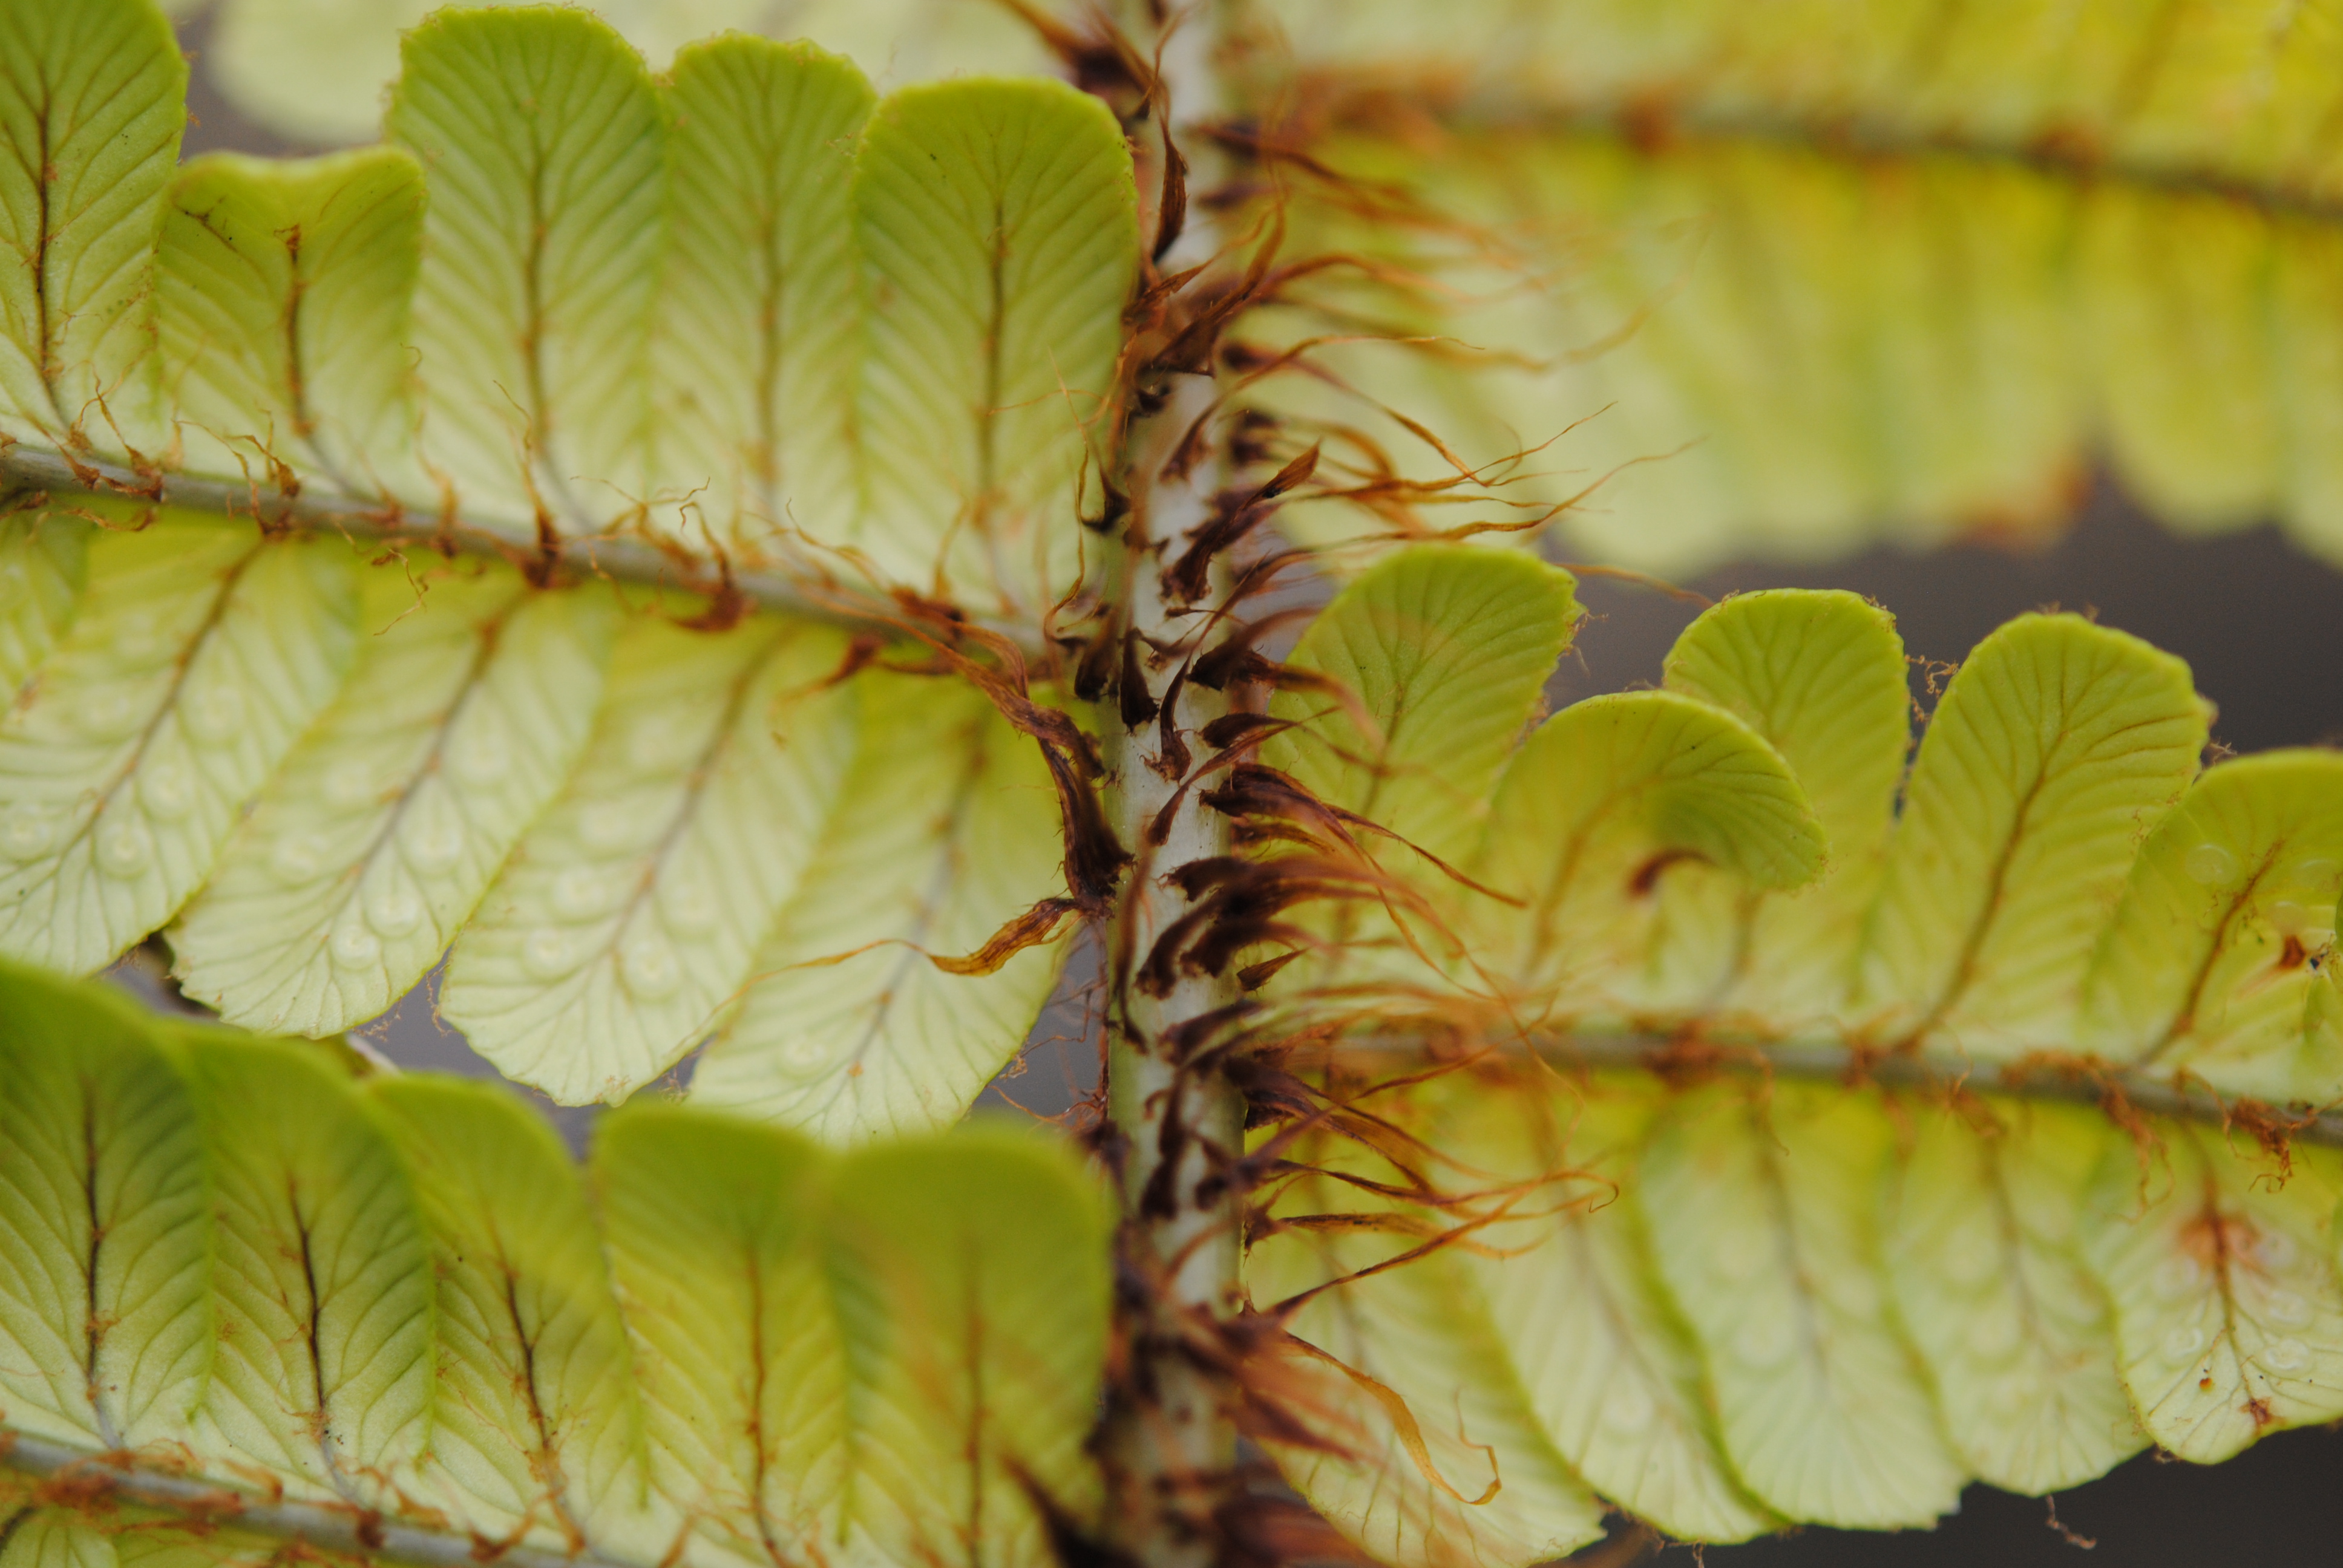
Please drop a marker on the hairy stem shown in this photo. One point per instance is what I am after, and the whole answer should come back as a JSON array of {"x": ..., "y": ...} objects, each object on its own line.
[
  {"x": 1171, "y": 1438},
  {"x": 1172, "y": 1441}
]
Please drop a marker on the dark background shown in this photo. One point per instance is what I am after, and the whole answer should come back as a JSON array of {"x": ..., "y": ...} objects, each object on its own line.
[{"x": 2260, "y": 622}]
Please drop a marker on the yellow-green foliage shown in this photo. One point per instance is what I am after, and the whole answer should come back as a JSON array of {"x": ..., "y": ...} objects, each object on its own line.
[
  {"x": 316, "y": 1296},
  {"x": 1743, "y": 854},
  {"x": 748, "y": 309},
  {"x": 751, "y": 308},
  {"x": 318, "y": 773},
  {"x": 567, "y": 298},
  {"x": 1735, "y": 1307},
  {"x": 1887, "y": 271},
  {"x": 1756, "y": 1303}
]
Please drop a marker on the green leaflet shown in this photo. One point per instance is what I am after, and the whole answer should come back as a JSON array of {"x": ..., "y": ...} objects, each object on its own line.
[
  {"x": 542, "y": 144},
  {"x": 863, "y": 1352},
  {"x": 90, "y": 114},
  {"x": 1446, "y": 647},
  {"x": 44, "y": 567},
  {"x": 1594, "y": 808},
  {"x": 629, "y": 914},
  {"x": 290, "y": 1279},
  {"x": 942, "y": 830},
  {"x": 2055, "y": 749},
  {"x": 529, "y": 1340},
  {"x": 2208, "y": 965},
  {"x": 1607, "y": 1368},
  {"x": 1763, "y": 1227},
  {"x": 757, "y": 351},
  {"x": 1820, "y": 674},
  {"x": 100, "y": 1162},
  {"x": 1982, "y": 1235},
  {"x": 1821, "y": 677},
  {"x": 320, "y": 1280},
  {"x": 284, "y": 290},
  {"x": 1000, "y": 241},
  {"x": 988, "y": 1261},
  {"x": 745, "y": 1375},
  {"x": 2228, "y": 1312},
  {"x": 1438, "y": 655},
  {"x": 469, "y": 705},
  {"x": 203, "y": 652}
]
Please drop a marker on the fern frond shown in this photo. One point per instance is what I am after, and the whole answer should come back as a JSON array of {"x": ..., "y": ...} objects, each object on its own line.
[
  {"x": 1822, "y": 676},
  {"x": 629, "y": 912},
  {"x": 1000, "y": 238},
  {"x": 1727, "y": 1308},
  {"x": 246, "y": 1294},
  {"x": 1888, "y": 275},
  {"x": 1722, "y": 1292},
  {"x": 320, "y": 775},
  {"x": 712, "y": 315},
  {"x": 2204, "y": 968},
  {"x": 1736, "y": 856},
  {"x": 1576, "y": 1221},
  {"x": 1448, "y": 656}
]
